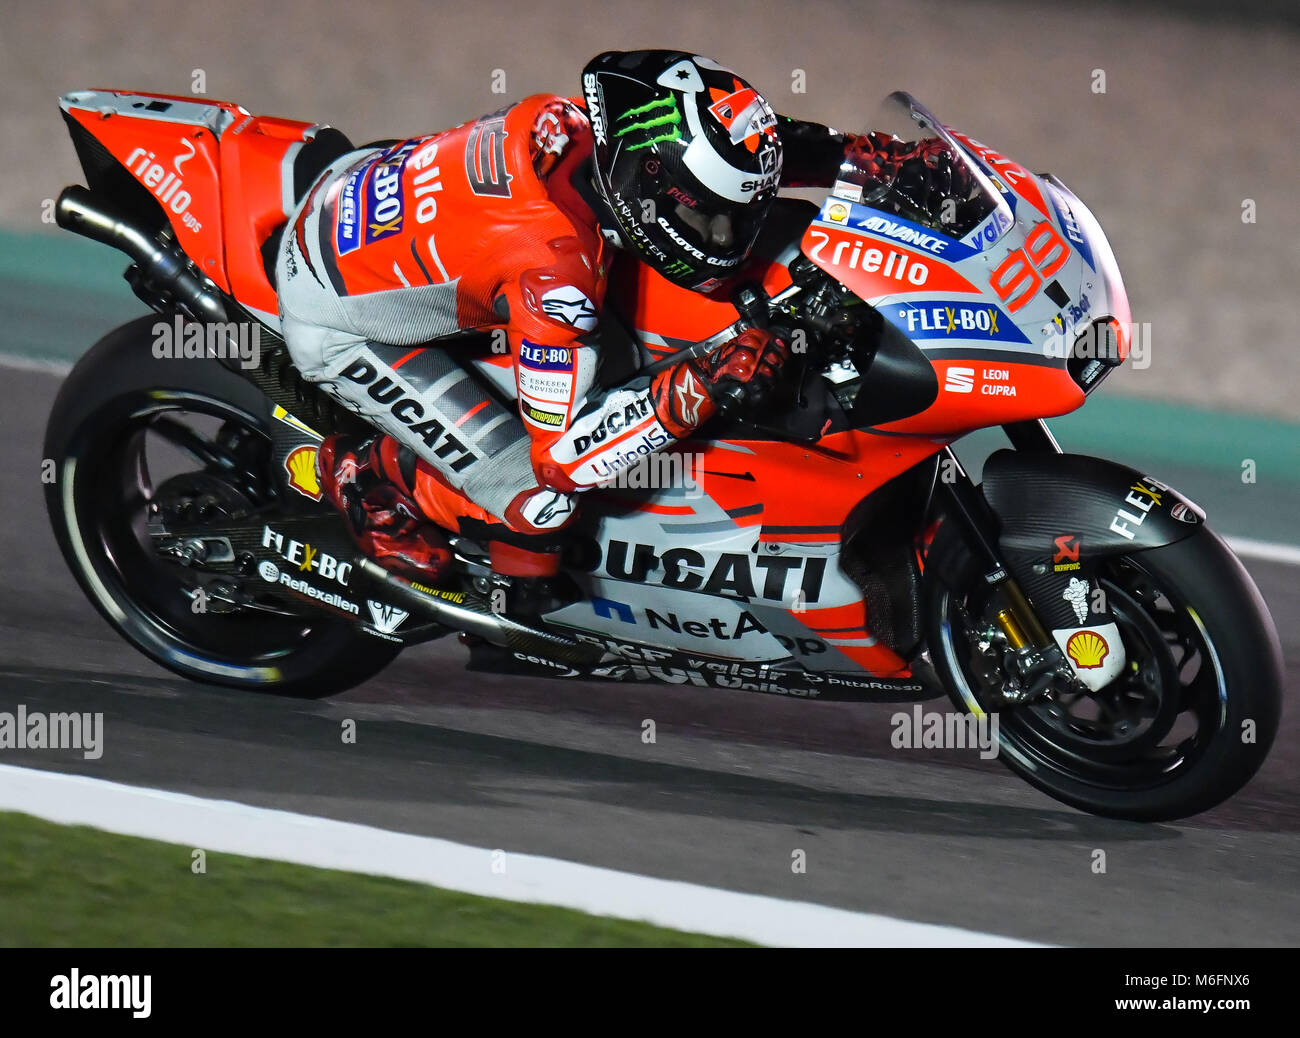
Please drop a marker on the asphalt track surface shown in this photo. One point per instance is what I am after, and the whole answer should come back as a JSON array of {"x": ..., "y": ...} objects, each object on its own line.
[{"x": 735, "y": 783}]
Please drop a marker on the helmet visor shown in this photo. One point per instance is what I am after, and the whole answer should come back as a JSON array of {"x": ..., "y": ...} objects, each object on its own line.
[{"x": 721, "y": 234}]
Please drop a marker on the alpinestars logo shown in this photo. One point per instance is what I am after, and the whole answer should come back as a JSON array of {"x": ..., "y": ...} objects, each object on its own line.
[
  {"x": 547, "y": 509},
  {"x": 385, "y": 618},
  {"x": 689, "y": 399},
  {"x": 569, "y": 305}
]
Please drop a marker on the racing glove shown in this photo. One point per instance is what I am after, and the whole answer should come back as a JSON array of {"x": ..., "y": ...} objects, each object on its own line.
[
  {"x": 741, "y": 371},
  {"x": 618, "y": 427}
]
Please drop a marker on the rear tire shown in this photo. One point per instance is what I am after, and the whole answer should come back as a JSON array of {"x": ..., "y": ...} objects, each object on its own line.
[
  {"x": 95, "y": 437},
  {"x": 1224, "y": 656}
]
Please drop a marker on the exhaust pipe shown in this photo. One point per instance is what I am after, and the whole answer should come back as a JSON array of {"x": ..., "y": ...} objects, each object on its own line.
[
  {"x": 162, "y": 271},
  {"x": 492, "y": 627}
]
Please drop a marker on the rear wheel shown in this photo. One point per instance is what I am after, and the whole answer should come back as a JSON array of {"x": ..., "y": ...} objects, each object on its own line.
[
  {"x": 133, "y": 437},
  {"x": 1181, "y": 729}
]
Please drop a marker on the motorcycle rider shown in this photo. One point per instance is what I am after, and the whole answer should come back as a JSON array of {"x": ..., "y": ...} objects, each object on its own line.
[{"x": 508, "y": 223}]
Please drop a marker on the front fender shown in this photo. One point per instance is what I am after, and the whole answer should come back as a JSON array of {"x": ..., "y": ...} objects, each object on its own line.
[{"x": 1053, "y": 504}]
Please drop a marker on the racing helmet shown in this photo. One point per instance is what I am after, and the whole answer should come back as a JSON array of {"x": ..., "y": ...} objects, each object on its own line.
[{"x": 686, "y": 157}]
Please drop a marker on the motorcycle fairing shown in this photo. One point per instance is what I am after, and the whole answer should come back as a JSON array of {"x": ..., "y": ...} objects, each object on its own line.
[
  {"x": 745, "y": 551},
  {"x": 222, "y": 179}
]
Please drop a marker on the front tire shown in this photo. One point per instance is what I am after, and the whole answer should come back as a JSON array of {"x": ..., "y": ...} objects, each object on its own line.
[{"x": 1205, "y": 677}]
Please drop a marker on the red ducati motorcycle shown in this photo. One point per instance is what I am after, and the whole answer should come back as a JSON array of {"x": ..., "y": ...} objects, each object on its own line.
[{"x": 833, "y": 548}]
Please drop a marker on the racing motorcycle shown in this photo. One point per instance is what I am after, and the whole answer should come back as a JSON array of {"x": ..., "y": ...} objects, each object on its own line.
[{"x": 831, "y": 548}]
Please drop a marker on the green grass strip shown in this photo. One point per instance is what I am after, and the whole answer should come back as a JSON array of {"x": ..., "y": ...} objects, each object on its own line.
[{"x": 73, "y": 886}]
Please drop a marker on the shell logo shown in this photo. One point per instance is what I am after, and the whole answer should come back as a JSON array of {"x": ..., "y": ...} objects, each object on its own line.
[
  {"x": 1087, "y": 649},
  {"x": 301, "y": 466}
]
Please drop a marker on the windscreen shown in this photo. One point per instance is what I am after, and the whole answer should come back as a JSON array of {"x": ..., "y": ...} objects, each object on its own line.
[{"x": 907, "y": 164}]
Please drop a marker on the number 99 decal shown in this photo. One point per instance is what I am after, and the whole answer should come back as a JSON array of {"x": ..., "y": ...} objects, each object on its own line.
[{"x": 1018, "y": 278}]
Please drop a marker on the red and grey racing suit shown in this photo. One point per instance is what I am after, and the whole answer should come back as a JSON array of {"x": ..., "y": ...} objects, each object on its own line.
[{"x": 481, "y": 228}]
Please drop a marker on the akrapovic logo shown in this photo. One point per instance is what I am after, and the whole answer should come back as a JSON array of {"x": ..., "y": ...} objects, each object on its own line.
[{"x": 591, "y": 91}]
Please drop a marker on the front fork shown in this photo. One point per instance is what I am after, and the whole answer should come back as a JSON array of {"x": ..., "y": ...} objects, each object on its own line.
[{"x": 1036, "y": 655}]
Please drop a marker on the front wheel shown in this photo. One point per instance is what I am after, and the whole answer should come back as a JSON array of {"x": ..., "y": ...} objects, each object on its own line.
[{"x": 1180, "y": 730}]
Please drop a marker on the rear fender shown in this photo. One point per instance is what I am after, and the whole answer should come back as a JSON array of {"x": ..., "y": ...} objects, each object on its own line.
[{"x": 168, "y": 145}]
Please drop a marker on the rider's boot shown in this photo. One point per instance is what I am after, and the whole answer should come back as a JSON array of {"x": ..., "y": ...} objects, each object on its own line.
[
  {"x": 370, "y": 482},
  {"x": 512, "y": 551}
]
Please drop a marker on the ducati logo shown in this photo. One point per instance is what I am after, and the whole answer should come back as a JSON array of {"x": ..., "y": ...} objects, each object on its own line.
[{"x": 744, "y": 115}]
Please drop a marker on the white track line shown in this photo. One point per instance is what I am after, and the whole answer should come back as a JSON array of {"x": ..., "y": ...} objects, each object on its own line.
[
  {"x": 1288, "y": 554},
  {"x": 22, "y": 362},
  {"x": 233, "y": 828}
]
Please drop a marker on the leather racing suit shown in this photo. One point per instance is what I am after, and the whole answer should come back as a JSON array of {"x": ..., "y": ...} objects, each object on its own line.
[{"x": 489, "y": 226}]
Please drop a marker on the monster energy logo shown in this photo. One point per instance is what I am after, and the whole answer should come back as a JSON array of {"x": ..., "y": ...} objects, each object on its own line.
[
  {"x": 656, "y": 127},
  {"x": 677, "y": 267}
]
